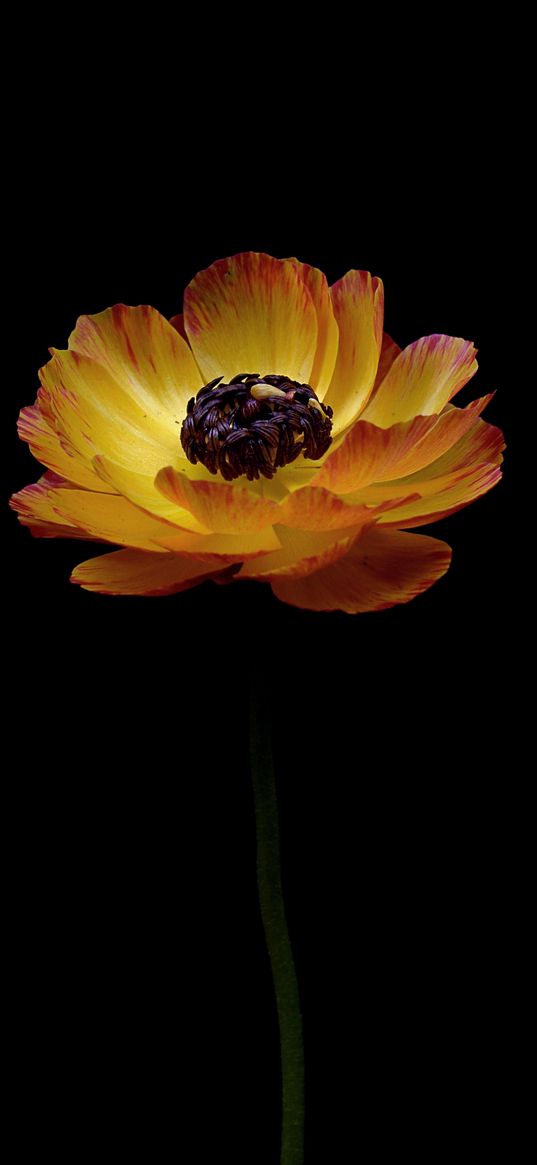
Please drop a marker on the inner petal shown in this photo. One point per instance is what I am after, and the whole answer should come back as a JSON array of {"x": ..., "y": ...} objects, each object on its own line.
[{"x": 251, "y": 312}]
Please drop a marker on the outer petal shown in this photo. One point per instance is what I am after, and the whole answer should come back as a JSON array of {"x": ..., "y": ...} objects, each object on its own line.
[
  {"x": 131, "y": 572},
  {"x": 220, "y": 507},
  {"x": 371, "y": 454},
  {"x": 51, "y": 508},
  {"x": 40, "y": 529},
  {"x": 301, "y": 552},
  {"x": 381, "y": 569},
  {"x": 46, "y": 446},
  {"x": 481, "y": 442},
  {"x": 107, "y": 517},
  {"x": 462, "y": 474},
  {"x": 444, "y": 496},
  {"x": 34, "y": 508},
  {"x": 481, "y": 445},
  {"x": 145, "y": 354},
  {"x": 327, "y": 329},
  {"x": 422, "y": 380},
  {"x": 222, "y": 548},
  {"x": 251, "y": 313},
  {"x": 358, "y": 303}
]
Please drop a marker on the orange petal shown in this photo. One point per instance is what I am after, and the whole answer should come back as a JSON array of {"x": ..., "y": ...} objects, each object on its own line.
[
  {"x": 46, "y": 446},
  {"x": 482, "y": 443},
  {"x": 327, "y": 329},
  {"x": 464, "y": 472},
  {"x": 220, "y": 507},
  {"x": 445, "y": 434},
  {"x": 301, "y": 552},
  {"x": 132, "y": 572},
  {"x": 358, "y": 303},
  {"x": 443, "y": 495},
  {"x": 370, "y": 454},
  {"x": 382, "y": 568},
  {"x": 367, "y": 451},
  {"x": 178, "y": 322},
  {"x": 388, "y": 353},
  {"x": 251, "y": 313},
  {"x": 312, "y": 508},
  {"x": 422, "y": 380},
  {"x": 107, "y": 517}
]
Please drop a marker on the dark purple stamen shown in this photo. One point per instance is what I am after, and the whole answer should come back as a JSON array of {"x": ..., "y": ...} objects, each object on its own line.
[{"x": 233, "y": 433}]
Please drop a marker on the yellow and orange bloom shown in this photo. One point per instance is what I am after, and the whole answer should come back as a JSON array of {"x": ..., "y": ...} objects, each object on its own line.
[{"x": 272, "y": 431}]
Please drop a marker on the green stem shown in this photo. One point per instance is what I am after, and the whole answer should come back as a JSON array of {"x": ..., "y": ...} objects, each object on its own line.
[{"x": 276, "y": 933}]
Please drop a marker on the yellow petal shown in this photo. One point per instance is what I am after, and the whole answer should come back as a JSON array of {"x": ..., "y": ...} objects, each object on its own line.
[
  {"x": 104, "y": 516},
  {"x": 140, "y": 489},
  {"x": 251, "y": 313},
  {"x": 128, "y": 398},
  {"x": 97, "y": 415},
  {"x": 46, "y": 446},
  {"x": 327, "y": 329},
  {"x": 381, "y": 569},
  {"x": 220, "y": 507},
  {"x": 422, "y": 380},
  {"x": 132, "y": 572},
  {"x": 358, "y": 303},
  {"x": 145, "y": 354}
]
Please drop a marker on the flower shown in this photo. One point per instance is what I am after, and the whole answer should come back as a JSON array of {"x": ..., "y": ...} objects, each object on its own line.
[{"x": 271, "y": 432}]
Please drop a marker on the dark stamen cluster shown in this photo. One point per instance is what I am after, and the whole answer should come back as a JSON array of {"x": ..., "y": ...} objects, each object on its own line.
[{"x": 233, "y": 433}]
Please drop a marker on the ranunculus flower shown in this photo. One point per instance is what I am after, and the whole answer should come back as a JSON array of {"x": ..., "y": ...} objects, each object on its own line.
[{"x": 271, "y": 432}]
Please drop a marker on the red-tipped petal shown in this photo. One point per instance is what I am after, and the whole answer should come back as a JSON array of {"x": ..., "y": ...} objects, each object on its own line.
[
  {"x": 422, "y": 379},
  {"x": 370, "y": 454},
  {"x": 132, "y": 572},
  {"x": 381, "y": 569}
]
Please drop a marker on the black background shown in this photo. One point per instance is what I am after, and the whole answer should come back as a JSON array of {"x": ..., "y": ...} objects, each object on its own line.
[{"x": 141, "y": 994}]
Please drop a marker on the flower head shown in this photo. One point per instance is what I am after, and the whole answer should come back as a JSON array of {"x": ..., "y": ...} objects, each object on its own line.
[{"x": 271, "y": 432}]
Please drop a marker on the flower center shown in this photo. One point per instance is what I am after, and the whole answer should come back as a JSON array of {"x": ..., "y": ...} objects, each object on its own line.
[{"x": 254, "y": 425}]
